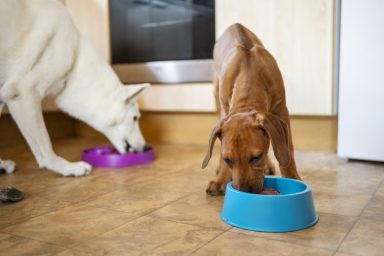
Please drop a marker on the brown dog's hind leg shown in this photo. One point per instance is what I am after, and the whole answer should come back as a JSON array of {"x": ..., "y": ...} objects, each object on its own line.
[{"x": 217, "y": 186}]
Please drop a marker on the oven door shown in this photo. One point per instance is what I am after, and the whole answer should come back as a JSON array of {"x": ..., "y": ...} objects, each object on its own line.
[{"x": 162, "y": 41}]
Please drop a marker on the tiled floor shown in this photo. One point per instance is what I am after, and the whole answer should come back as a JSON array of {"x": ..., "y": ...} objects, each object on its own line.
[{"x": 162, "y": 209}]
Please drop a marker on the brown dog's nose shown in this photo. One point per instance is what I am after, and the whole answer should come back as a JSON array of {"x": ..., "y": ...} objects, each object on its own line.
[{"x": 254, "y": 186}]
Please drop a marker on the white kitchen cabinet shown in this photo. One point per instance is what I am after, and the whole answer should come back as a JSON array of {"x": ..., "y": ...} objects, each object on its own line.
[{"x": 299, "y": 34}]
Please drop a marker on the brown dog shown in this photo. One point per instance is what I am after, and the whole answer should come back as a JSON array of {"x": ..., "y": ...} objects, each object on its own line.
[{"x": 250, "y": 93}]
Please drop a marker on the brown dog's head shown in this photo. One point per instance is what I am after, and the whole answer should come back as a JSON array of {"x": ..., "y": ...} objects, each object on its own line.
[{"x": 245, "y": 139}]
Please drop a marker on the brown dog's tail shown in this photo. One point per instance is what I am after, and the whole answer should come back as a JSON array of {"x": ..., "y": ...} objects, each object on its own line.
[{"x": 246, "y": 38}]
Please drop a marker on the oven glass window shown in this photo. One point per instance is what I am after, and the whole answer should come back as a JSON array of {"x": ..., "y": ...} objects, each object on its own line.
[{"x": 160, "y": 30}]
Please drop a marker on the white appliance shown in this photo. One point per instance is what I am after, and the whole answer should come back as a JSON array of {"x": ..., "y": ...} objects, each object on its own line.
[{"x": 361, "y": 80}]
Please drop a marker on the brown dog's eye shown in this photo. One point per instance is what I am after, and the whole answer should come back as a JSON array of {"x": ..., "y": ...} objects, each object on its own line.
[
  {"x": 229, "y": 162},
  {"x": 255, "y": 159},
  {"x": 135, "y": 118}
]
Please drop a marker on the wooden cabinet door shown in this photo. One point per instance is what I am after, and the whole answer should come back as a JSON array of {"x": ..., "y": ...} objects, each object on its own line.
[{"x": 299, "y": 34}]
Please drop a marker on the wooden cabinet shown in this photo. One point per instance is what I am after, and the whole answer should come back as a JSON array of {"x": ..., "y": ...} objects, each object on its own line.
[{"x": 91, "y": 17}]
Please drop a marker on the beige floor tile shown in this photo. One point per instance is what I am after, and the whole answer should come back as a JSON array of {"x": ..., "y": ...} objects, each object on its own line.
[
  {"x": 150, "y": 236},
  {"x": 196, "y": 209},
  {"x": 375, "y": 207},
  {"x": 380, "y": 191},
  {"x": 174, "y": 157},
  {"x": 366, "y": 238},
  {"x": 309, "y": 162},
  {"x": 31, "y": 180},
  {"x": 327, "y": 233},
  {"x": 163, "y": 166},
  {"x": 347, "y": 205},
  {"x": 16, "y": 245},
  {"x": 344, "y": 254},
  {"x": 101, "y": 213},
  {"x": 181, "y": 181},
  {"x": 72, "y": 252},
  {"x": 32, "y": 206},
  {"x": 70, "y": 225},
  {"x": 346, "y": 179},
  {"x": 135, "y": 200},
  {"x": 127, "y": 175},
  {"x": 148, "y": 194},
  {"x": 49, "y": 185},
  {"x": 240, "y": 244},
  {"x": 77, "y": 189}
]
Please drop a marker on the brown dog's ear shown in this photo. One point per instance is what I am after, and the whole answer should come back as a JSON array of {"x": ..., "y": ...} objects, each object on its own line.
[
  {"x": 278, "y": 132},
  {"x": 216, "y": 133}
]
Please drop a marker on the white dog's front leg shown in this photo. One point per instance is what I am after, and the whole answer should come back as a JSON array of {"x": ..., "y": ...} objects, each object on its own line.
[{"x": 27, "y": 112}]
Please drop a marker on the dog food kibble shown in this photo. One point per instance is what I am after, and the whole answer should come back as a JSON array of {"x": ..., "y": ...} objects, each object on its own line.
[{"x": 270, "y": 191}]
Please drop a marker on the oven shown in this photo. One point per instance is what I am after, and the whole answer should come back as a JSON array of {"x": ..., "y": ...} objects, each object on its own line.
[{"x": 162, "y": 41}]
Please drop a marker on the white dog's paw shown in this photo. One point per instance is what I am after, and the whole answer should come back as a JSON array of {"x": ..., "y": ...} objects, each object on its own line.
[
  {"x": 8, "y": 166},
  {"x": 66, "y": 168},
  {"x": 78, "y": 169}
]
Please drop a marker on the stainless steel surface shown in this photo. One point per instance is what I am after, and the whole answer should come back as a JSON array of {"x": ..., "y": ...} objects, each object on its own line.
[{"x": 169, "y": 72}]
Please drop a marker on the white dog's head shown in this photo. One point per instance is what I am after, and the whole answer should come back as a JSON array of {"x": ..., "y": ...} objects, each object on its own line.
[{"x": 121, "y": 123}]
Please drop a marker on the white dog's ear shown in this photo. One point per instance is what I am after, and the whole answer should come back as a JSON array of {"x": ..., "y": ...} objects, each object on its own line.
[{"x": 129, "y": 92}]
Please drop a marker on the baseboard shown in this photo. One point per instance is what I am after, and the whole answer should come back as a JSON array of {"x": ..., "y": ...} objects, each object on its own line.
[
  {"x": 309, "y": 133},
  {"x": 58, "y": 125}
]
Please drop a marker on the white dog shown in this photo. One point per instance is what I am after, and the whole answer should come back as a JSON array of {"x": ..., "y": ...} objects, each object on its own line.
[{"x": 43, "y": 55}]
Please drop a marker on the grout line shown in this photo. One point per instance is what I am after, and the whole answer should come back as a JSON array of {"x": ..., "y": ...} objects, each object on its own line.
[
  {"x": 207, "y": 242},
  {"x": 289, "y": 242},
  {"x": 37, "y": 240},
  {"x": 193, "y": 225},
  {"x": 280, "y": 240},
  {"x": 358, "y": 217},
  {"x": 263, "y": 238},
  {"x": 166, "y": 204},
  {"x": 101, "y": 234},
  {"x": 127, "y": 223},
  {"x": 39, "y": 215}
]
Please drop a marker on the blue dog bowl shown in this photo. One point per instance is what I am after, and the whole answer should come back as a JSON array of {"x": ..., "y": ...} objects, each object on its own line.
[{"x": 292, "y": 210}]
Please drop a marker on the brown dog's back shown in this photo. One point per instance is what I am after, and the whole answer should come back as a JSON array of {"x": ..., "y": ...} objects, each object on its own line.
[{"x": 235, "y": 35}]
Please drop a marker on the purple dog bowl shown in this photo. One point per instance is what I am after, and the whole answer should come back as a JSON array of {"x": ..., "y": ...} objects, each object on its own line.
[{"x": 107, "y": 156}]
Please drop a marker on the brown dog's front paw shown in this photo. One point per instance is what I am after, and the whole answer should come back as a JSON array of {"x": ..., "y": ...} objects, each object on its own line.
[{"x": 215, "y": 188}]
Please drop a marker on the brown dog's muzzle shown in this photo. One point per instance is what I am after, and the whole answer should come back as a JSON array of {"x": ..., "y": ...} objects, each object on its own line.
[{"x": 254, "y": 185}]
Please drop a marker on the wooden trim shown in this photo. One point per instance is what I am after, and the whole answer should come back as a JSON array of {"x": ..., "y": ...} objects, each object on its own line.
[{"x": 309, "y": 132}]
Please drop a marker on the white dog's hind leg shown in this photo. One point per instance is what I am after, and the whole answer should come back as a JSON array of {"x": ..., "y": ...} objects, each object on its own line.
[{"x": 27, "y": 112}]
